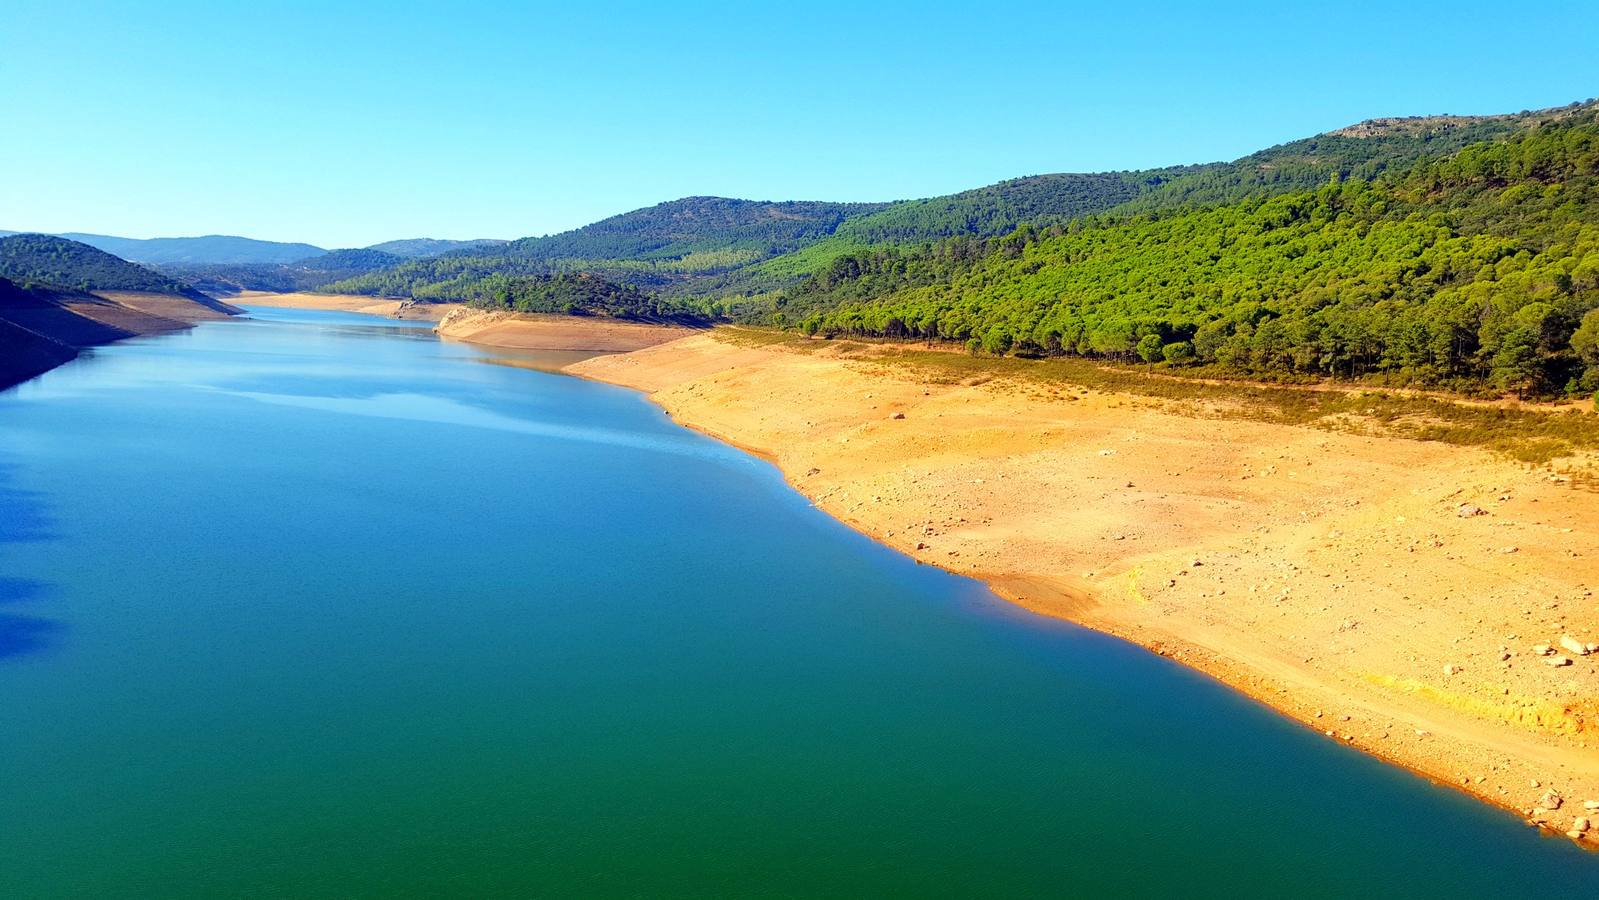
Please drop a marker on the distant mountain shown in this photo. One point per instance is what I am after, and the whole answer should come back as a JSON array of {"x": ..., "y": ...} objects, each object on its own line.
[
  {"x": 212, "y": 248},
  {"x": 419, "y": 247},
  {"x": 299, "y": 275},
  {"x": 654, "y": 247},
  {"x": 41, "y": 259}
]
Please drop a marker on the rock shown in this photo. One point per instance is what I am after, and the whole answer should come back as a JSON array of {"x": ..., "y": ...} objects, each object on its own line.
[
  {"x": 1542, "y": 650},
  {"x": 1198, "y": 563},
  {"x": 1573, "y": 645},
  {"x": 1558, "y": 661},
  {"x": 1550, "y": 800},
  {"x": 920, "y": 545},
  {"x": 898, "y": 415},
  {"x": 1451, "y": 670},
  {"x": 1580, "y": 825},
  {"x": 1590, "y": 804},
  {"x": 1574, "y": 835},
  {"x": 1467, "y": 510}
]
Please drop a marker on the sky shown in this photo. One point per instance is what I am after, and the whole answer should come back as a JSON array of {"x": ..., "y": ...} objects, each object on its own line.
[{"x": 346, "y": 124}]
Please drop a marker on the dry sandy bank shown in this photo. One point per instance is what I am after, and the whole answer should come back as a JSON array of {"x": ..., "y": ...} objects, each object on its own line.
[
  {"x": 394, "y": 309},
  {"x": 528, "y": 331},
  {"x": 1330, "y": 576}
]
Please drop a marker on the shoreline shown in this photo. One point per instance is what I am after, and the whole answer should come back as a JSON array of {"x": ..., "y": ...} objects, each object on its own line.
[
  {"x": 1496, "y": 725},
  {"x": 1510, "y": 753}
]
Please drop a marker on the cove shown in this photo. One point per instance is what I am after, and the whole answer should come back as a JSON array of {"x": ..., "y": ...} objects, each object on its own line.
[{"x": 312, "y": 604}]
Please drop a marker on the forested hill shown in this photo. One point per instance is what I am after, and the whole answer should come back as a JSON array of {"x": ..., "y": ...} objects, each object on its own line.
[
  {"x": 38, "y": 259},
  {"x": 581, "y": 294},
  {"x": 299, "y": 275},
  {"x": 655, "y": 247},
  {"x": 694, "y": 225},
  {"x": 1365, "y": 151},
  {"x": 1476, "y": 269},
  {"x": 701, "y": 246},
  {"x": 413, "y": 248}
]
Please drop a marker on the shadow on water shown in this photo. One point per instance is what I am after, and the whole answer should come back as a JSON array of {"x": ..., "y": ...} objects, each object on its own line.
[{"x": 23, "y": 520}]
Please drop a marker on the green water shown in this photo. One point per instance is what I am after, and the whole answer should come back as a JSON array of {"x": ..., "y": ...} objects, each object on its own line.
[{"x": 314, "y": 605}]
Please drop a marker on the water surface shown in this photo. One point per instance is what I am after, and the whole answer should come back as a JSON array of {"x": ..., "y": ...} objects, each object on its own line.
[{"x": 315, "y": 605}]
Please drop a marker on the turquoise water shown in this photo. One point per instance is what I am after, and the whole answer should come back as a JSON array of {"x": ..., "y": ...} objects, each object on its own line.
[{"x": 315, "y": 605}]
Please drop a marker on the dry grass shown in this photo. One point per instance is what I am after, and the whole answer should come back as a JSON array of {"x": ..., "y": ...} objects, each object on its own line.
[{"x": 1527, "y": 434}]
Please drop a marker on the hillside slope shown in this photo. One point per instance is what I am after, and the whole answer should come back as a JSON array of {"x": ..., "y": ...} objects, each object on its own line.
[
  {"x": 1478, "y": 269},
  {"x": 47, "y": 260},
  {"x": 58, "y": 296},
  {"x": 300, "y": 275},
  {"x": 413, "y": 248},
  {"x": 655, "y": 247}
]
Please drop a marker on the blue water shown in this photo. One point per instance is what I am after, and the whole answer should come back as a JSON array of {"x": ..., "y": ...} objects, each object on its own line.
[{"x": 315, "y": 605}]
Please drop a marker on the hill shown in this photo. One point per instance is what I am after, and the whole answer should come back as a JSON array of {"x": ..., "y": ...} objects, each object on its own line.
[
  {"x": 655, "y": 247},
  {"x": 300, "y": 275},
  {"x": 980, "y": 212},
  {"x": 48, "y": 310},
  {"x": 211, "y": 248},
  {"x": 1365, "y": 150},
  {"x": 38, "y": 259},
  {"x": 412, "y": 248},
  {"x": 1479, "y": 269}
]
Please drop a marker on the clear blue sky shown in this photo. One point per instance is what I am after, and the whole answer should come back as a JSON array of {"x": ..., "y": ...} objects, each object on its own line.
[{"x": 349, "y": 123}]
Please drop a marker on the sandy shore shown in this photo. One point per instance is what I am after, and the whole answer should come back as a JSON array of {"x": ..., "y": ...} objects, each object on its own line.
[
  {"x": 528, "y": 331},
  {"x": 393, "y": 309},
  {"x": 1391, "y": 594}
]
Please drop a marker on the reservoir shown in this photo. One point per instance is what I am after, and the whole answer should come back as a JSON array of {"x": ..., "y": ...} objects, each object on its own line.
[{"x": 313, "y": 604}]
